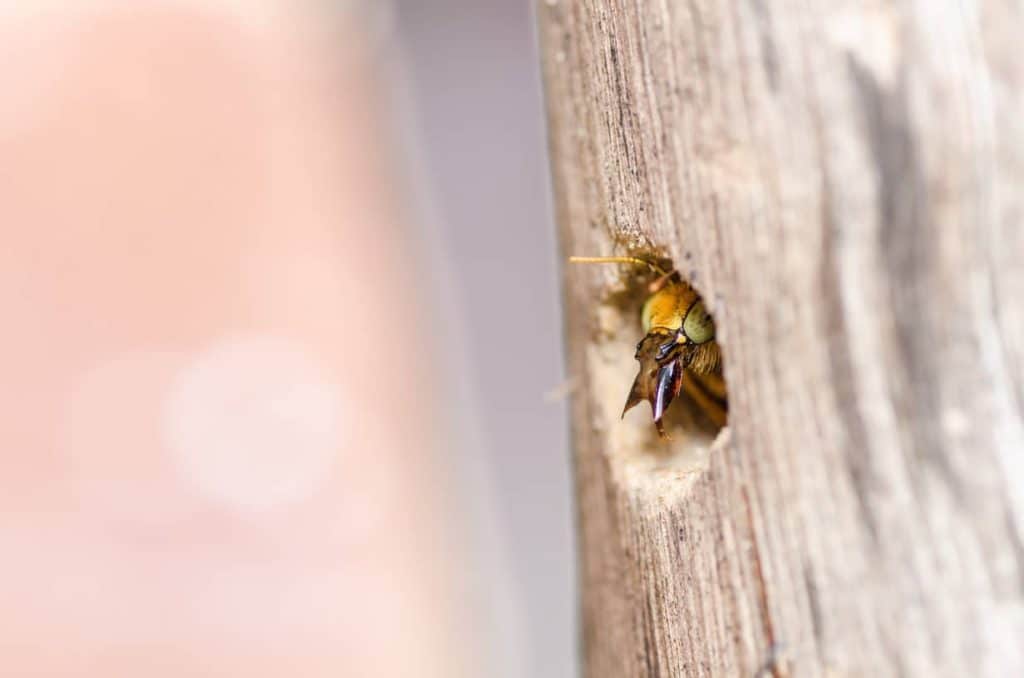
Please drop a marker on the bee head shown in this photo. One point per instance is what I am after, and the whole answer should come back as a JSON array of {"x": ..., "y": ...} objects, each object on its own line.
[{"x": 664, "y": 354}]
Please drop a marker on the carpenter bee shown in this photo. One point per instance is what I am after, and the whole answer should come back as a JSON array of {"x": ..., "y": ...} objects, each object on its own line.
[{"x": 678, "y": 351}]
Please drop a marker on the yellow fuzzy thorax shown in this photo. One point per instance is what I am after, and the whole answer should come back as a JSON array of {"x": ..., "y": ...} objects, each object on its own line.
[{"x": 667, "y": 307}]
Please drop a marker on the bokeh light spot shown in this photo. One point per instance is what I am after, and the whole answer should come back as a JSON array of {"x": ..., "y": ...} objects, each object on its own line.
[{"x": 254, "y": 423}]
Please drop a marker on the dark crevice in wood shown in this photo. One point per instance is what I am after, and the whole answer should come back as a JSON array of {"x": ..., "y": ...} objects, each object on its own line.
[
  {"x": 817, "y": 618},
  {"x": 842, "y": 371},
  {"x": 768, "y": 626},
  {"x": 908, "y": 242}
]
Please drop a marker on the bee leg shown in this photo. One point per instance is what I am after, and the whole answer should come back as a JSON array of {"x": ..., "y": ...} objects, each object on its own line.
[{"x": 698, "y": 391}]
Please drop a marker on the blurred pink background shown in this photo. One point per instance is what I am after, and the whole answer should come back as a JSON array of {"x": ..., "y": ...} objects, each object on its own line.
[{"x": 281, "y": 311}]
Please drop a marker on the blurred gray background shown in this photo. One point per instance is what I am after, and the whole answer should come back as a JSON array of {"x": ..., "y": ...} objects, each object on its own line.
[{"x": 478, "y": 121}]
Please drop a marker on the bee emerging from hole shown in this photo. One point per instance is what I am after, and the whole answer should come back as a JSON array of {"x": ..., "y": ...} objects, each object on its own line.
[{"x": 678, "y": 351}]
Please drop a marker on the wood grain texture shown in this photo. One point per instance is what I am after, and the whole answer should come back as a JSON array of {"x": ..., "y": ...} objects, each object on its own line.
[{"x": 842, "y": 181}]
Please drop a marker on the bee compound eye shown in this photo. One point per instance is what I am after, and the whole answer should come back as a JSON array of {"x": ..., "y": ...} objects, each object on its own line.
[{"x": 698, "y": 325}]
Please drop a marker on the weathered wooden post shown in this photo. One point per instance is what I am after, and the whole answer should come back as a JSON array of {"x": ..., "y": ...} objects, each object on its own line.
[{"x": 843, "y": 183}]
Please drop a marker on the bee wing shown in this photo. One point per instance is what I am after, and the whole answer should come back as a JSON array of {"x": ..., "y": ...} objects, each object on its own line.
[{"x": 670, "y": 380}]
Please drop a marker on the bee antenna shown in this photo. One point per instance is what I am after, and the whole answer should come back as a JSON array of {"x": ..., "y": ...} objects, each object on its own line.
[{"x": 620, "y": 260}]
